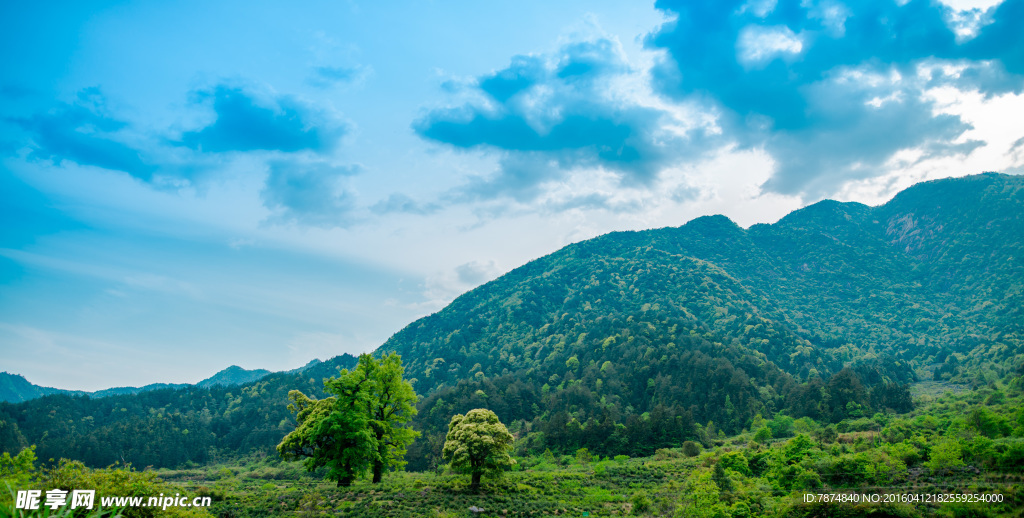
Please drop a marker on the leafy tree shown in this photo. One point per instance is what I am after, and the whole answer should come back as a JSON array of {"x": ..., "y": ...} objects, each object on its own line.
[
  {"x": 19, "y": 469},
  {"x": 763, "y": 435},
  {"x": 736, "y": 461},
  {"x": 701, "y": 498},
  {"x": 945, "y": 456},
  {"x": 330, "y": 433},
  {"x": 477, "y": 443},
  {"x": 389, "y": 406},
  {"x": 359, "y": 427},
  {"x": 583, "y": 456},
  {"x": 721, "y": 479}
]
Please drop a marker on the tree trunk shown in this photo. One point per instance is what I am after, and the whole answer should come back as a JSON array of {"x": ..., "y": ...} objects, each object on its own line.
[
  {"x": 345, "y": 481},
  {"x": 378, "y": 472},
  {"x": 475, "y": 484},
  {"x": 382, "y": 451}
]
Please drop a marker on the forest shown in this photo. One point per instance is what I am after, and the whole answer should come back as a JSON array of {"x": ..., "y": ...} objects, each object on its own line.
[{"x": 843, "y": 348}]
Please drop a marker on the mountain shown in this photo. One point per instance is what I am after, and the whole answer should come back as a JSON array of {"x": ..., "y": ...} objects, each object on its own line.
[
  {"x": 825, "y": 314},
  {"x": 121, "y": 391},
  {"x": 233, "y": 375},
  {"x": 15, "y": 388},
  {"x": 936, "y": 270},
  {"x": 634, "y": 341}
]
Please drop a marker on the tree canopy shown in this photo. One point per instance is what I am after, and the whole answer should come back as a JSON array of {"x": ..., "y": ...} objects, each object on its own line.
[
  {"x": 477, "y": 443},
  {"x": 361, "y": 426}
]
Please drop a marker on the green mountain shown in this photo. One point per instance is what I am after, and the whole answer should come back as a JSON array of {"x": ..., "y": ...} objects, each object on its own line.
[
  {"x": 828, "y": 313},
  {"x": 635, "y": 341},
  {"x": 233, "y": 375},
  {"x": 15, "y": 388},
  {"x": 937, "y": 270}
]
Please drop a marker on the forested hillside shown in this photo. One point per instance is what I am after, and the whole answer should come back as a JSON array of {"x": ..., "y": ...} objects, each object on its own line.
[
  {"x": 166, "y": 427},
  {"x": 628, "y": 341},
  {"x": 635, "y": 341},
  {"x": 15, "y": 388}
]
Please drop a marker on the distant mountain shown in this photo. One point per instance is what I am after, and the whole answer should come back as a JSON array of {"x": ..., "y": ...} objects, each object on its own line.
[
  {"x": 233, "y": 375},
  {"x": 163, "y": 427},
  {"x": 311, "y": 364},
  {"x": 121, "y": 391},
  {"x": 634, "y": 341},
  {"x": 14, "y": 388}
]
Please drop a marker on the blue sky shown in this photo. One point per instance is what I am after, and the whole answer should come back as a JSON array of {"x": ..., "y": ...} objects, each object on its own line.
[{"x": 190, "y": 185}]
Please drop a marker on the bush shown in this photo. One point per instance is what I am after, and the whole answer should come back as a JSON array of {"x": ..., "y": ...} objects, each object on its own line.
[
  {"x": 117, "y": 481},
  {"x": 583, "y": 456},
  {"x": 641, "y": 504},
  {"x": 1013, "y": 457},
  {"x": 691, "y": 449},
  {"x": 666, "y": 454},
  {"x": 781, "y": 426},
  {"x": 945, "y": 456},
  {"x": 763, "y": 435},
  {"x": 736, "y": 461}
]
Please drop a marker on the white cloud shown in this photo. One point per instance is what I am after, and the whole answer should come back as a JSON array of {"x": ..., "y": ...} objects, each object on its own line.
[{"x": 758, "y": 45}]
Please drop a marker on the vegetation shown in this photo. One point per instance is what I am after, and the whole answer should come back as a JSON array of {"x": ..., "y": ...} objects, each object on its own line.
[
  {"x": 477, "y": 443},
  {"x": 844, "y": 348},
  {"x": 361, "y": 426},
  {"x": 21, "y": 472},
  {"x": 734, "y": 477}
]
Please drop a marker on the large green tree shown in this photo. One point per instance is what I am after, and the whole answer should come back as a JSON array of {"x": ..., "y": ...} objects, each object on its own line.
[
  {"x": 389, "y": 407},
  {"x": 477, "y": 443},
  {"x": 360, "y": 427},
  {"x": 332, "y": 432}
]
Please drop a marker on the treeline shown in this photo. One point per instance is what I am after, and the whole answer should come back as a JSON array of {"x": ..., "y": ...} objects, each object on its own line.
[
  {"x": 604, "y": 411},
  {"x": 162, "y": 428},
  {"x": 632, "y": 407}
]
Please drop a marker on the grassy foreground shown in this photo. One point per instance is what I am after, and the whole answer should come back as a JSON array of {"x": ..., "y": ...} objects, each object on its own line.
[{"x": 953, "y": 444}]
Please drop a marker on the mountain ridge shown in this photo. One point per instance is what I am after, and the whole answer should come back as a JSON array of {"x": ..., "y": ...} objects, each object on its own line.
[
  {"x": 633, "y": 341},
  {"x": 15, "y": 388}
]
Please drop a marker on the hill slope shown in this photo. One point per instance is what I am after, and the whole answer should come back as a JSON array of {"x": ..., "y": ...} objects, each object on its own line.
[
  {"x": 638, "y": 340},
  {"x": 14, "y": 388},
  {"x": 938, "y": 269}
]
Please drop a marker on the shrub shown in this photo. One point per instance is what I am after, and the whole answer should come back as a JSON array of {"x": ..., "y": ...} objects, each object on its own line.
[
  {"x": 763, "y": 435},
  {"x": 691, "y": 449},
  {"x": 641, "y": 504}
]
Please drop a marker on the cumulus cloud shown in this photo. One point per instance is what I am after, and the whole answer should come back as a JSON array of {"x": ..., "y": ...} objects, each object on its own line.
[
  {"x": 550, "y": 114},
  {"x": 244, "y": 123},
  {"x": 832, "y": 90},
  {"x": 85, "y": 132},
  {"x": 309, "y": 193}
]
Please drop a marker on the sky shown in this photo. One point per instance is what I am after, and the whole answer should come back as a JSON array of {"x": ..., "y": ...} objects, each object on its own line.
[{"x": 190, "y": 185}]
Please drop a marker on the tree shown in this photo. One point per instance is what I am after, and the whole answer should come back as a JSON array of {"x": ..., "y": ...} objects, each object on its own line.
[
  {"x": 329, "y": 433},
  {"x": 359, "y": 427},
  {"x": 701, "y": 497},
  {"x": 389, "y": 407},
  {"x": 763, "y": 435},
  {"x": 944, "y": 457},
  {"x": 477, "y": 443}
]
